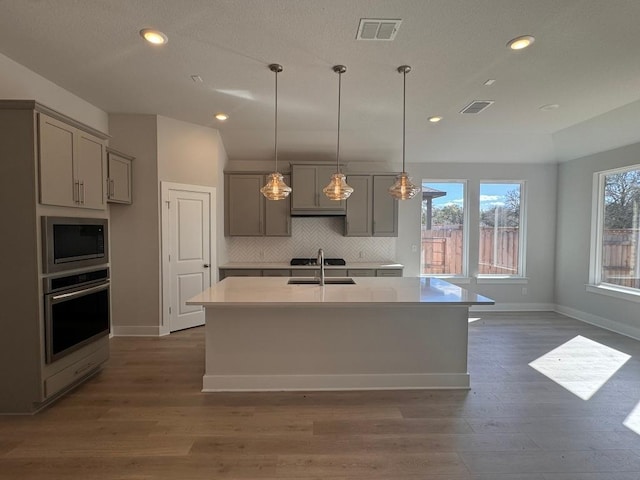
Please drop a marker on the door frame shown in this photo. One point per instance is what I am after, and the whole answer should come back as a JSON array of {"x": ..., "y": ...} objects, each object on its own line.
[{"x": 165, "y": 189}]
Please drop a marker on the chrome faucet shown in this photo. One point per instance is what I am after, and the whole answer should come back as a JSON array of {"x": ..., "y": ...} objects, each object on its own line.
[{"x": 320, "y": 262}]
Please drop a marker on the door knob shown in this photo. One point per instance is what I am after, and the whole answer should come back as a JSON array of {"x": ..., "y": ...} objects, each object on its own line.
[{"x": 206, "y": 265}]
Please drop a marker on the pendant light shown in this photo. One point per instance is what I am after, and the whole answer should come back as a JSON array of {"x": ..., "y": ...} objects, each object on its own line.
[
  {"x": 338, "y": 188},
  {"x": 276, "y": 189},
  {"x": 403, "y": 188}
]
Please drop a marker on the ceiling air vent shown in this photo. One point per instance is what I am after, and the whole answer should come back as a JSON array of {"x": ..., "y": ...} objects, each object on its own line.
[
  {"x": 378, "y": 29},
  {"x": 477, "y": 106}
]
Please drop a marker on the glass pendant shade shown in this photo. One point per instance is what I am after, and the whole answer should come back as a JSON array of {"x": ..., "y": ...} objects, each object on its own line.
[
  {"x": 337, "y": 188},
  {"x": 275, "y": 189},
  {"x": 403, "y": 188}
]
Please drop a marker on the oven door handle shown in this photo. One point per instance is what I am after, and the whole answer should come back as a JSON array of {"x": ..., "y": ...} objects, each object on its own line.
[{"x": 79, "y": 293}]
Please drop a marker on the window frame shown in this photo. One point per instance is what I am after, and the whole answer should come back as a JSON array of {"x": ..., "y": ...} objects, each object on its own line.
[
  {"x": 521, "y": 275},
  {"x": 462, "y": 277},
  {"x": 596, "y": 285}
]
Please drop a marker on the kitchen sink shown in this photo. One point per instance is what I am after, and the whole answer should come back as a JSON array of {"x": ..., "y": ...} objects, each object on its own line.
[{"x": 327, "y": 281}]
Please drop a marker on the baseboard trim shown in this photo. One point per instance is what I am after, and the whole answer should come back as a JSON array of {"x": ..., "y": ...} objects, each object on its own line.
[
  {"x": 271, "y": 383},
  {"x": 514, "y": 307},
  {"x": 137, "y": 331},
  {"x": 606, "y": 323}
]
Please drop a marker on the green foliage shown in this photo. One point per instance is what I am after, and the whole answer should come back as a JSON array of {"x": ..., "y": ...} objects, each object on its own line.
[
  {"x": 507, "y": 215},
  {"x": 448, "y": 215}
]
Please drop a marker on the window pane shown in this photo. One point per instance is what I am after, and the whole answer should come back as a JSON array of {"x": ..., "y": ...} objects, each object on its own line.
[
  {"x": 499, "y": 228},
  {"x": 620, "y": 243},
  {"x": 442, "y": 228}
]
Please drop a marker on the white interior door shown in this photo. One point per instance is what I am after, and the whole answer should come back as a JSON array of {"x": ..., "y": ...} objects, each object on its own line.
[{"x": 188, "y": 254}]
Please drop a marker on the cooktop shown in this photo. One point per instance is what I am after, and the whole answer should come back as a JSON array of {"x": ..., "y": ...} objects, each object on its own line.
[{"x": 314, "y": 261}]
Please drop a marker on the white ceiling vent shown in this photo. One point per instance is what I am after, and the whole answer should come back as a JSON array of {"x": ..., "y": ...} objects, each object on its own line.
[
  {"x": 378, "y": 29},
  {"x": 477, "y": 106}
]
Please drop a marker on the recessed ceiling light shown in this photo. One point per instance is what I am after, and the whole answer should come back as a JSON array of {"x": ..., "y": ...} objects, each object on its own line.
[
  {"x": 551, "y": 106},
  {"x": 521, "y": 42},
  {"x": 196, "y": 78},
  {"x": 222, "y": 116},
  {"x": 155, "y": 37},
  {"x": 490, "y": 82},
  {"x": 435, "y": 119}
]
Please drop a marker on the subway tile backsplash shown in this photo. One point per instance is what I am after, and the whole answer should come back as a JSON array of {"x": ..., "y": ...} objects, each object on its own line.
[{"x": 308, "y": 234}]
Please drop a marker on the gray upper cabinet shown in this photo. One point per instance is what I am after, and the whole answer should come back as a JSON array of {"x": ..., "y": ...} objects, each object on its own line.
[
  {"x": 72, "y": 166},
  {"x": 385, "y": 207},
  {"x": 119, "y": 181},
  {"x": 359, "y": 221},
  {"x": 248, "y": 213},
  {"x": 307, "y": 182},
  {"x": 371, "y": 211}
]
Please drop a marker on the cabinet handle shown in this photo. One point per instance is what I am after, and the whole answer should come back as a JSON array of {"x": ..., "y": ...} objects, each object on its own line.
[
  {"x": 82, "y": 191},
  {"x": 76, "y": 192},
  {"x": 108, "y": 188},
  {"x": 112, "y": 188}
]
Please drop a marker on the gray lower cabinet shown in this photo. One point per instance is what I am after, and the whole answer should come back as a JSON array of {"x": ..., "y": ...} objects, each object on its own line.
[
  {"x": 303, "y": 272},
  {"x": 239, "y": 272},
  {"x": 361, "y": 272},
  {"x": 389, "y": 272},
  {"x": 371, "y": 211},
  {"x": 307, "y": 182},
  {"x": 248, "y": 213},
  {"x": 276, "y": 272}
]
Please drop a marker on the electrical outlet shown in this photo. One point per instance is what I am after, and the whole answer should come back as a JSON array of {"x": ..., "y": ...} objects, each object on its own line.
[
  {"x": 360, "y": 254},
  {"x": 414, "y": 248},
  {"x": 524, "y": 290}
]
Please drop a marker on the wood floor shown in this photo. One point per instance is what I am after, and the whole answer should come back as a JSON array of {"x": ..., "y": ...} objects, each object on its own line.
[{"x": 144, "y": 417}]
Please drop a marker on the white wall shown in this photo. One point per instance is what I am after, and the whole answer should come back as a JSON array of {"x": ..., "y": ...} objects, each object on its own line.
[
  {"x": 540, "y": 196},
  {"x": 575, "y": 182},
  {"x": 165, "y": 150},
  {"x": 135, "y": 230},
  {"x": 17, "y": 82}
]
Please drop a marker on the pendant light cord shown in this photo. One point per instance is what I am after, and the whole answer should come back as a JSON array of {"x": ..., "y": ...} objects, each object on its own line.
[
  {"x": 404, "y": 114},
  {"x": 276, "y": 122},
  {"x": 339, "y": 101}
]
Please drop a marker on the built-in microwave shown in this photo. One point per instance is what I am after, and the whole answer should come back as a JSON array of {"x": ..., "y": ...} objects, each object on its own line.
[{"x": 71, "y": 242}]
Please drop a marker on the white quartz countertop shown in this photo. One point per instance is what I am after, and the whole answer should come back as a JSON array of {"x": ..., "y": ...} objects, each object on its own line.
[
  {"x": 286, "y": 266},
  {"x": 249, "y": 291}
]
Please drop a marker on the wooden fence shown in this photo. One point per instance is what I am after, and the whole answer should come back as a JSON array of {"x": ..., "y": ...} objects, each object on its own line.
[
  {"x": 442, "y": 253},
  {"x": 620, "y": 257}
]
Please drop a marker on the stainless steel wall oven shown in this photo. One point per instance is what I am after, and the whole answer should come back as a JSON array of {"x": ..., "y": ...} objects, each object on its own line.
[{"x": 76, "y": 311}]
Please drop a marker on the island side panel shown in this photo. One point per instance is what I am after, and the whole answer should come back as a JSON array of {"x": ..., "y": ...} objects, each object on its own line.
[{"x": 251, "y": 348}]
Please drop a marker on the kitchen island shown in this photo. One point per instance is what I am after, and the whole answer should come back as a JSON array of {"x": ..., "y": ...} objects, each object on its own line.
[{"x": 264, "y": 334}]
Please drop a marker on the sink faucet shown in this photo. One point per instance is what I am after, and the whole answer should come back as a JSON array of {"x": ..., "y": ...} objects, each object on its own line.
[{"x": 321, "y": 263}]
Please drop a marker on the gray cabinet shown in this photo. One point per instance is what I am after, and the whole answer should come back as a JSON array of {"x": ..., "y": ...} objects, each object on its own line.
[
  {"x": 385, "y": 207},
  {"x": 72, "y": 165},
  {"x": 119, "y": 179},
  {"x": 248, "y": 213},
  {"x": 389, "y": 272},
  {"x": 307, "y": 182},
  {"x": 371, "y": 211},
  {"x": 359, "y": 221}
]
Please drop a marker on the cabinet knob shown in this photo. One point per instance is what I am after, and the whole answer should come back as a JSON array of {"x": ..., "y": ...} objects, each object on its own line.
[{"x": 206, "y": 265}]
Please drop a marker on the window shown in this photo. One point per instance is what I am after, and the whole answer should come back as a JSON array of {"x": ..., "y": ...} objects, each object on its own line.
[
  {"x": 615, "y": 258},
  {"x": 443, "y": 234},
  {"x": 500, "y": 235}
]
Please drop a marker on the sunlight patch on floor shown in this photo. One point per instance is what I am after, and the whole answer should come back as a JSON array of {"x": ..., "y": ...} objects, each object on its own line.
[
  {"x": 632, "y": 422},
  {"x": 473, "y": 319},
  {"x": 581, "y": 365}
]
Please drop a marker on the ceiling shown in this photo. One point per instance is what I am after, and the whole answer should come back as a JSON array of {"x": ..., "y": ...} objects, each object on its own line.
[{"x": 586, "y": 58}]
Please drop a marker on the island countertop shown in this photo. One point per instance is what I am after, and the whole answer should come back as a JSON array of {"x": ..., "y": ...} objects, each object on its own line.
[{"x": 249, "y": 291}]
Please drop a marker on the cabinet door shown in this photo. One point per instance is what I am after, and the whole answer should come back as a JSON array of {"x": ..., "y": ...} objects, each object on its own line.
[
  {"x": 323, "y": 177},
  {"x": 91, "y": 171},
  {"x": 361, "y": 272},
  {"x": 119, "y": 186},
  {"x": 395, "y": 272},
  {"x": 56, "y": 158},
  {"x": 358, "y": 221},
  {"x": 304, "y": 193},
  {"x": 385, "y": 207},
  {"x": 277, "y": 215},
  {"x": 244, "y": 205},
  {"x": 276, "y": 272}
]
